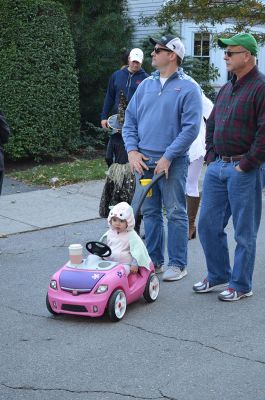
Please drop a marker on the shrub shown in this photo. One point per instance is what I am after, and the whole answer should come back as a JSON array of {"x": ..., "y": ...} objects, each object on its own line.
[
  {"x": 101, "y": 30},
  {"x": 92, "y": 138},
  {"x": 39, "y": 87}
]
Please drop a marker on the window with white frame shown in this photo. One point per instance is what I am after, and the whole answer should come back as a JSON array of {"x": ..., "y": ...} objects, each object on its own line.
[{"x": 201, "y": 48}]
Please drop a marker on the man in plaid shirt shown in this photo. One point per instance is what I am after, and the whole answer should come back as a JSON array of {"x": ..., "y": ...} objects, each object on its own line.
[{"x": 235, "y": 151}]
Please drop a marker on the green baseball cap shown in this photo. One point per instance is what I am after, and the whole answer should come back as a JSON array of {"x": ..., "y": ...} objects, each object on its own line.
[{"x": 245, "y": 40}]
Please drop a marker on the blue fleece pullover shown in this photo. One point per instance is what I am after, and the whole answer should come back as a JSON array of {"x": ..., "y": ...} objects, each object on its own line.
[
  {"x": 163, "y": 121},
  {"x": 121, "y": 80}
]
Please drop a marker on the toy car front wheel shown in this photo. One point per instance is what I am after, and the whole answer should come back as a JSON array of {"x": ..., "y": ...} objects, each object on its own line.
[
  {"x": 117, "y": 305},
  {"x": 49, "y": 306},
  {"x": 151, "y": 290}
]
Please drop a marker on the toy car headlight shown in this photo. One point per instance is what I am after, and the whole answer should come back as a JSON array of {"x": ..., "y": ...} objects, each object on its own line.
[
  {"x": 101, "y": 289},
  {"x": 53, "y": 284}
]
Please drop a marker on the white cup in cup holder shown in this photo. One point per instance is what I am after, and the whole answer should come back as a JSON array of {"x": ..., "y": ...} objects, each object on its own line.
[{"x": 76, "y": 253}]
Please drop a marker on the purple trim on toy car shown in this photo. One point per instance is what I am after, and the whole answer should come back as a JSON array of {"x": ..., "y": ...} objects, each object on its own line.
[{"x": 79, "y": 280}]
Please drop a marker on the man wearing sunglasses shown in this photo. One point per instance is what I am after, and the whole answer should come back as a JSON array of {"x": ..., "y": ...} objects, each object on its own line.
[
  {"x": 235, "y": 151},
  {"x": 161, "y": 121}
]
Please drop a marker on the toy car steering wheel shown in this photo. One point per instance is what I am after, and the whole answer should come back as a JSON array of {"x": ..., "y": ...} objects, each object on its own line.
[{"x": 99, "y": 249}]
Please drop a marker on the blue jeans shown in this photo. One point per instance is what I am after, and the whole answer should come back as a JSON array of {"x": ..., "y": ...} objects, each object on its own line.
[
  {"x": 169, "y": 193},
  {"x": 228, "y": 192}
]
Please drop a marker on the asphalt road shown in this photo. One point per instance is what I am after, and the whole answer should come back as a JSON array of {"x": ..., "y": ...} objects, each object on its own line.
[{"x": 184, "y": 346}]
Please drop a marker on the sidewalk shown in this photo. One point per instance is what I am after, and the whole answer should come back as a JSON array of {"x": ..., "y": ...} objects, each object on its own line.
[
  {"x": 40, "y": 209},
  {"x": 25, "y": 208},
  {"x": 46, "y": 208}
]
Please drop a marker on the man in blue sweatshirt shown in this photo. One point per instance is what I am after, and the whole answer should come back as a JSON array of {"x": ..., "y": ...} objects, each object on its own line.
[
  {"x": 127, "y": 80},
  {"x": 161, "y": 122}
]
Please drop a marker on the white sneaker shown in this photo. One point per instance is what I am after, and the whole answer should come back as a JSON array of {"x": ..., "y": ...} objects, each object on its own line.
[
  {"x": 174, "y": 273},
  {"x": 205, "y": 286},
  {"x": 233, "y": 295}
]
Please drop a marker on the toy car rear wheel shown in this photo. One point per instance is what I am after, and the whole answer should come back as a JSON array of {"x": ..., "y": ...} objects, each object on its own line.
[
  {"x": 151, "y": 290},
  {"x": 49, "y": 306},
  {"x": 117, "y": 305}
]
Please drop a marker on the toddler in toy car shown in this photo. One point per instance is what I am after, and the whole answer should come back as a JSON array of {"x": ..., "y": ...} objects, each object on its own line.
[{"x": 126, "y": 245}]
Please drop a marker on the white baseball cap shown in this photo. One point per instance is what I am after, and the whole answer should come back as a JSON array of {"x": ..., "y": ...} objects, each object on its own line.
[
  {"x": 171, "y": 42},
  {"x": 136, "y": 55}
]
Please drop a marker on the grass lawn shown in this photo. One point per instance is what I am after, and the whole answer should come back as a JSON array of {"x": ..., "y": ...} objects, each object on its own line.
[{"x": 63, "y": 173}]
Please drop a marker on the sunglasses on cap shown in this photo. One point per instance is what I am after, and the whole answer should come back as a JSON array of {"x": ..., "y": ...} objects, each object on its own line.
[
  {"x": 158, "y": 50},
  {"x": 229, "y": 53}
]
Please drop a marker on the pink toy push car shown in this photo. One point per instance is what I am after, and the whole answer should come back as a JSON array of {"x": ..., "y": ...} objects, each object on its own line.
[{"x": 97, "y": 285}]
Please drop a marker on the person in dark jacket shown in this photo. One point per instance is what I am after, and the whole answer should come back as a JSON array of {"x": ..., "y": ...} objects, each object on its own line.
[
  {"x": 120, "y": 183},
  {"x": 4, "y": 135},
  {"x": 127, "y": 80},
  {"x": 116, "y": 152}
]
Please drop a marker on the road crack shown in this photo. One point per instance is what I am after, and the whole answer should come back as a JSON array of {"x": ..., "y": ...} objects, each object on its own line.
[
  {"x": 38, "y": 389},
  {"x": 196, "y": 342},
  {"x": 50, "y": 317}
]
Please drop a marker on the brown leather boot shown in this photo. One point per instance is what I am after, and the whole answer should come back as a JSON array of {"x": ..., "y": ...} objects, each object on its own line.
[{"x": 192, "y": 209}]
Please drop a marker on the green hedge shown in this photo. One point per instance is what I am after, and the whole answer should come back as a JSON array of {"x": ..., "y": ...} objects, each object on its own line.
[
  {"x": 39, "y": 86},
  {"x": 101, "y": 29}
]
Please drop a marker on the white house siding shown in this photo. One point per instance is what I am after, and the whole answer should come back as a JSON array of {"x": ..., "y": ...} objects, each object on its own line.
[
  {"x": 217, "y": 54},
  {"x": 145, "y": 8},
  {"x": 187, "y": 30}
]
